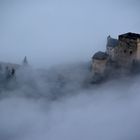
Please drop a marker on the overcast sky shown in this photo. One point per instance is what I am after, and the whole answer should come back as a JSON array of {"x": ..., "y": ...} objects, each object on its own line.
[{"x": 62, "y": 31}]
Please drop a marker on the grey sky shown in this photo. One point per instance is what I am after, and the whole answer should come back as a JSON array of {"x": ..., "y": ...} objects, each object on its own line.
[{"x": 52, "y": 32}]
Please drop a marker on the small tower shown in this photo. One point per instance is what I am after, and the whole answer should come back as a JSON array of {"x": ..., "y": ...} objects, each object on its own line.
[
  {"x": 25, "y": 62},
  {"x": 99, "y": 62},
  {"x": 110, "y": 46}
]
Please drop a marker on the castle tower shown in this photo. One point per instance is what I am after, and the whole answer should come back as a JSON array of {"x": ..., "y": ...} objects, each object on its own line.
[
  {"x": 127, "y": 51},
  {"x": 99, "y": 62},
  {"x": 25, "y": 62},
  {"x": 110, "y": 46}
]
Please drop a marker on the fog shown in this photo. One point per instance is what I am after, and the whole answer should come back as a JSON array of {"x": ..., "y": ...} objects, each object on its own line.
[
  {"x": 52, "y": 99},
  {"x": 37, "y": 107}
]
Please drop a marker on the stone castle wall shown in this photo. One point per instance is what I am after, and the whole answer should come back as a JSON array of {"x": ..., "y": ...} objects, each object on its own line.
[
  {"x": 99, "y": 66},
  {"x": 126, "y": 52},
  {"x": 138, "y": 50}
]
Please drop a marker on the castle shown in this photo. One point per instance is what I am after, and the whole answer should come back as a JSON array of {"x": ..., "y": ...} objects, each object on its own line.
[{"x": 121, "y": 53}]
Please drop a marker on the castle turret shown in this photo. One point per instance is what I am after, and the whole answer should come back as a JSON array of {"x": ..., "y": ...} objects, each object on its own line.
[
  {"x": 110, "y": 46},
  {"x": 25, "y": 62},
  {"x": 99, "y": 61}
]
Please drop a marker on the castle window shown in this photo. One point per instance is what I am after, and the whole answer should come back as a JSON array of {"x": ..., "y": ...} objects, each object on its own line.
[
  {"x": 130, "y": 52},
  {"x": 124, "y": 51}
]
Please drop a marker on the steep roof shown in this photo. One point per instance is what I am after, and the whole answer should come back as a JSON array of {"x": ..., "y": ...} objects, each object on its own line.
[
  {"x": 111, "y": 42},
  {"x": 100, "y": 55},
  {"x": 130, "y": 35},
  {"x": 25, "y": 62}
]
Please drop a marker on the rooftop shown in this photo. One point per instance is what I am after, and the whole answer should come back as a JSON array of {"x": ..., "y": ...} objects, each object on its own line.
[
  {"x": 100, "y": 56},
  {"x": 130, "y": 35}
]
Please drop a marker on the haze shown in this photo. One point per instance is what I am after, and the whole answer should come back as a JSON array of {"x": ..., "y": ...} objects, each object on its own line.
[{"x": 58, "y": 102}]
